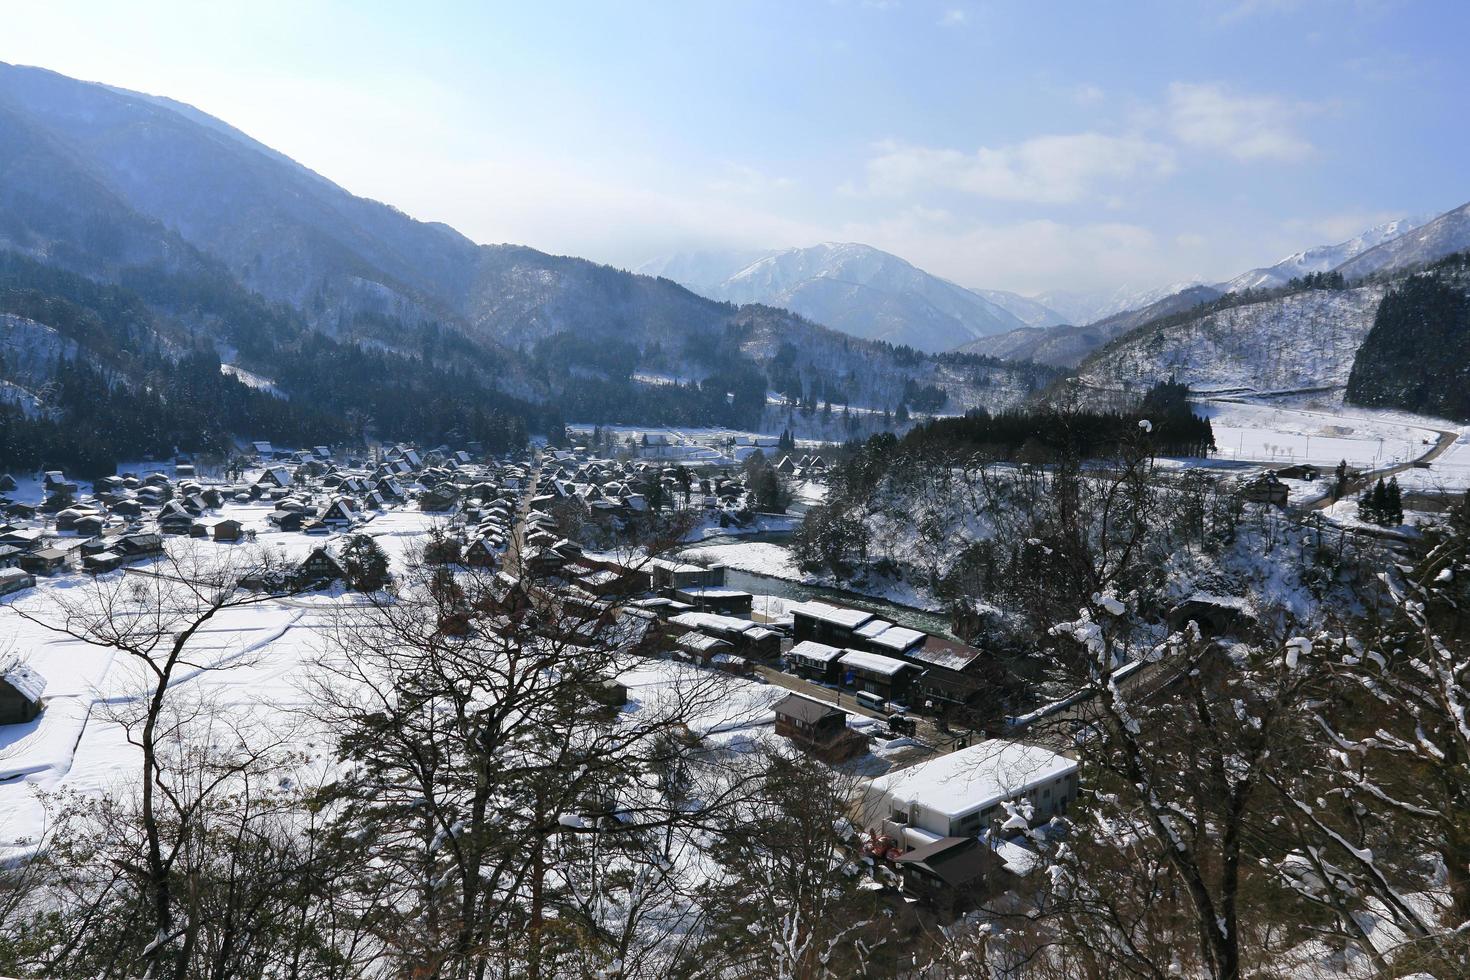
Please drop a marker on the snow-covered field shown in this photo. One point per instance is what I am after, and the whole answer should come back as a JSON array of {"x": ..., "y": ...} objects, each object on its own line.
[
  {"x": 1281, "y": 435},
  {"x": 1450, "y": 473},
  {"x": 254, "y": 663},
  {"x": 251, "y": 660}
]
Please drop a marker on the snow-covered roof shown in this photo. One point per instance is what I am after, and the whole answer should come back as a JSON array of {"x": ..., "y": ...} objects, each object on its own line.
[
  {"x": 828, "y": 613},
  {"x": 974, "y": 778},
  {"x": 700, "y": 642},
  {"x": 713, "y": 621},
  {"x": 875, "y": 662},
  {"x": 24, "y": 678},
  {"x": 1018, "y": 860},
  {"x": 898, "y": 638},
  {"x": 713, "y": 592},
  {"x": 677, "y": 567},
  {"x": 814, "y": 651},
  {"x": 873, "y": 627}
]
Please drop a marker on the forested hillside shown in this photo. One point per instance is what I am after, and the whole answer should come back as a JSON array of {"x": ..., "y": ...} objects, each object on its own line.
[
  {"x": 139, "y": 232},
  {"x": 1417, "y": 356},
  {"x": 1303, "y": 336}
]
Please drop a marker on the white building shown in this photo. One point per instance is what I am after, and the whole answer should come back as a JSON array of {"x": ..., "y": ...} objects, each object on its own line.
[{"x": 962, "y": 794}]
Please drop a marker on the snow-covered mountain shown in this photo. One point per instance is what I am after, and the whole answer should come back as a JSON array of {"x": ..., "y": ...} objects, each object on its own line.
[
  {"x": 1081, "y": 308},
  {"x": 1027, "y": 310},
  {"x": 1304, "y": 340},
  {"x": 1445, "y": 235},
  {"x": 854, "y": 288},
  {"x": 1066, "y": 345},
  {"x": 1322, "y": 258},
  {"x": 701, "y": 269}
]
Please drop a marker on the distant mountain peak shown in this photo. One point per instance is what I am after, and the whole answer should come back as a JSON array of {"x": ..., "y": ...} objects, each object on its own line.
[
  {"x": 1321, "y": 258},
  {"x": 1426, "y": 242},
  {"x": 852, "y": 287}
]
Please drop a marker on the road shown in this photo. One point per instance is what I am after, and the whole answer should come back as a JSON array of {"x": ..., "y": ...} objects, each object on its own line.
[
  {"x": 1361, "y": 481},
  {"x": 518, "y": 520}
]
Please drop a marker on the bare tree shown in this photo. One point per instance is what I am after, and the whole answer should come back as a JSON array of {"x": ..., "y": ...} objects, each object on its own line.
[
  {"x": 153, "y": 617},
  {"x": 472, "y": 712}
]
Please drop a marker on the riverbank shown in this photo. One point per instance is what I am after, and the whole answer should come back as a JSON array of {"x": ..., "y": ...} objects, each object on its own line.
[{"x": 766, "y": 567}]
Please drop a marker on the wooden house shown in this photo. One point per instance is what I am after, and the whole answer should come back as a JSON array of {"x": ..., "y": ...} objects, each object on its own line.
[
  {"x": 952, "y": 874},
  {"x": 815, "y": 661},
  {"x": 102, "y": 561},
  {"x": 319, "y": 568},
  {"x": 134, "y": 546},
  {"x": 826, "y": 623},
  {"x": 1265, "y": 489},
  {"x": 44, "y": 561},
  {"x": 481, "y": 554},
  {"x": 228, "y": 529},
  {"x": 874, "y": 673},
  {"x": 14, "y": 580},
  {"x": 818, "y": 728}
]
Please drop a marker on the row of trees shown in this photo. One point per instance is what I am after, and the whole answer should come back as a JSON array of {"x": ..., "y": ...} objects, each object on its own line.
[{"x": 1044, "y": 433}]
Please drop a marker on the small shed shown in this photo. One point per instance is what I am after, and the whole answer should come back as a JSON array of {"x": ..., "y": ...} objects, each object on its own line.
[{"x": 21, "y": 687}]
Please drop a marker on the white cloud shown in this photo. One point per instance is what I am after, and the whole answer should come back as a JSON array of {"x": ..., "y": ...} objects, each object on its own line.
[
  {"x": 1087, "y": 94},
  {"x": 747, "y": 181},
  {"x": 1025, "y": 256},
  {"x": 1045, "y": 170},
  {"x": 953, "y": 17},
  {"x": 1247, "y": 127},
  {"x": 1334, "y": 228}
]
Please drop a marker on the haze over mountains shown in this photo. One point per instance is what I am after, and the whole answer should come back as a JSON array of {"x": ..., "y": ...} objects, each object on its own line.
[
  {"x": 220, "y": 242},
  {"x": 103, "y": 182},
  {"x": 1387, "y": 248},
  {"x": 869, "y": 293},
  {"x": 854, "y": 288}
]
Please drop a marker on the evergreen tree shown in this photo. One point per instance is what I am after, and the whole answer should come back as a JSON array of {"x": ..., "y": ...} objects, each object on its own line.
[
  {"x": 1393, "y": 503},
  {"x": 1374, "y": 506},
  {"x": 1340, "y": 480},
  {"x": 365, "y": 563}
]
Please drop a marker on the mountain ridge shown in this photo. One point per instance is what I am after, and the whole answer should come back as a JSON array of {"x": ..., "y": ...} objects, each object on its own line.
[{"x": 855, "y": 288}]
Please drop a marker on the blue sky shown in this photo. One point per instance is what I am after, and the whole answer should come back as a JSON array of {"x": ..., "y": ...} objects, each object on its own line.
[{"x": 1026, "y": 146}]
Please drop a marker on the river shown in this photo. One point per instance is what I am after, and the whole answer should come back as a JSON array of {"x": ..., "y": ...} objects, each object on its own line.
[{"x": 758, "y": 584}]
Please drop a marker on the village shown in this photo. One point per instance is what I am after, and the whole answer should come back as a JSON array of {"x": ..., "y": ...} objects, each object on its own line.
[{"x": 943, "y": 814}]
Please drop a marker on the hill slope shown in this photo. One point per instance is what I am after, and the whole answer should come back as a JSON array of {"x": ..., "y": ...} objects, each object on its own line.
[
  {"x": 1428, "y": 312},
  {"x": 1305, "y": 339}
]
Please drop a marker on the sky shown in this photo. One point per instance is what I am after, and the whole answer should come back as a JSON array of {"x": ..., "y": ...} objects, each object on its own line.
[{"x": 1030, "y": 146}]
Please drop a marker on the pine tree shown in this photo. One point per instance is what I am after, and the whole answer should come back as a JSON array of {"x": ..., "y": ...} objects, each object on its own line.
[
  {"x": 1393, "y": 503},
  {"x": 365, "y": 563},
  {"x": 1378, "y": 506}
]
